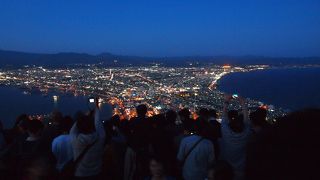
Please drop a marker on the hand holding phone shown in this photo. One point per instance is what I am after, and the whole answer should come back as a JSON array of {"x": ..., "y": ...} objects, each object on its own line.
[{"x": 91, "y": 100}]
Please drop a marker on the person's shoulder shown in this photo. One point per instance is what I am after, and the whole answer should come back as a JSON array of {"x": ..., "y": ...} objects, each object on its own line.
[
  {"x": 206, "y": 142},
  {"x": 193, "y": 138},
  {"x": 186, "y": 139},
  {"x": 57, "y": 139},
  {"x": 86, "y": 139},
  {"x": 61, "y": 137},
  {"x": 54, "y": 142}
]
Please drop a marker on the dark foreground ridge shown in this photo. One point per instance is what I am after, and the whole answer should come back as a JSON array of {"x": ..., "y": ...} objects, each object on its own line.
[
  {"x": 238, "y": 145},
  {"x": 14, "y": 59}
]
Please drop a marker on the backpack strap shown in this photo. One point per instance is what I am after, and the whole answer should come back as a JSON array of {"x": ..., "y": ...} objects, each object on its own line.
[
  {"x": 189, "y": 152},
  {"x": 79, "y": 158}
]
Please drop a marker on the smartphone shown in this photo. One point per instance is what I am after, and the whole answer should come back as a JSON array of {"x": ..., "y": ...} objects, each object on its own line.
[
  {"x": 235, "y": 96},
  {"x": 91, "y": 100}
]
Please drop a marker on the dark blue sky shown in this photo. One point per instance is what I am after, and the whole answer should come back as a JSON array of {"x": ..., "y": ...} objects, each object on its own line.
[{"x": 163, "y": 27}]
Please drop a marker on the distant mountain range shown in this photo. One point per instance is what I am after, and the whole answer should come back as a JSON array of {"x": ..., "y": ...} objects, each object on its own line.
[{"x": 13, "y": 59}]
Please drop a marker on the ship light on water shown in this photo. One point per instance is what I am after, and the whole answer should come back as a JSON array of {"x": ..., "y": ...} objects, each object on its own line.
[{"x": 55, "y": 98}]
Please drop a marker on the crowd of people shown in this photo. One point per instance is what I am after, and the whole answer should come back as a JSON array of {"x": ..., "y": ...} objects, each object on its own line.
[{"x": 238, "y": 145}]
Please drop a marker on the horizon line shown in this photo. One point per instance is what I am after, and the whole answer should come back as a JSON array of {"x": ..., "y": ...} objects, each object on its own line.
[{"x": 141, "y": 56}]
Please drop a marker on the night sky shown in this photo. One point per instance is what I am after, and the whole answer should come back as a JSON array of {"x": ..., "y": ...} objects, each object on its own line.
[{"x": 163, "y": 27}]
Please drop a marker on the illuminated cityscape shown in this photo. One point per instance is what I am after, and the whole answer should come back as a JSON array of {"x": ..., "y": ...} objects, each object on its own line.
[{"x": 160, "y": 88}]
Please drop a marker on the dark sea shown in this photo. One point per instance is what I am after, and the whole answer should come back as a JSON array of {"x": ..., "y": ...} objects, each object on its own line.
[
  {"x": 14, "y": 102},
  {"x": 291, "y": 88}
]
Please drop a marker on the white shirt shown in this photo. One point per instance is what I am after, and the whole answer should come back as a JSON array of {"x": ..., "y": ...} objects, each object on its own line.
[
  {"x": 197, "y": 163},
  {"x": 62, "y": 150},
  {"x": 91, "y": 163},
  {"x": 233, "y": 145}
]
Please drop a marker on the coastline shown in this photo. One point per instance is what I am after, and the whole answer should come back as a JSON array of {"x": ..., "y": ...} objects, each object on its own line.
[{"x": 296, "y": 84}]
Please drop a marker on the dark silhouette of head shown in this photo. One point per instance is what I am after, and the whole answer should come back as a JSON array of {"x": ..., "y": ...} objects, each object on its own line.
[
  {"x": 158, "y": 120},
  {"x": 85, "y": 123},
  {"x": 188, "y": 126},
  {"x": 141, "y": 110},
  {"x": 232, "y": 114},
  {"x": 35, "y": 127},
  {"x": 171, "y": 116},
  {"x": 184, "y": 114},
  {"x": 115, "y": 120},
  {"x": 200, "y": 127},
  {"x": 56, "y": 117},
  {"x": 22, "y": 122},
  {"x": 203, "y": 113},
  {"x": 258, "y": 117},
  {"x": 66, "y": 124},
  {"x": 235, "y": 121},
  {"x": 212, "y": 114}
]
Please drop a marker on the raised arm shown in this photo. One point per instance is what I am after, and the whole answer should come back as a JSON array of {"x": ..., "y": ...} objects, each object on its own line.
[
  {"x": 245, "y": 110},
  {"x": 74, "y": 130},
  {"x": 226, "y": 102},
  {"x": 98, "y": 124}
]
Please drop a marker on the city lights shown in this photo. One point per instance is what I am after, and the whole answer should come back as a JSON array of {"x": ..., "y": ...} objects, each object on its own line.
[{"x": 160, "y": 88}]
